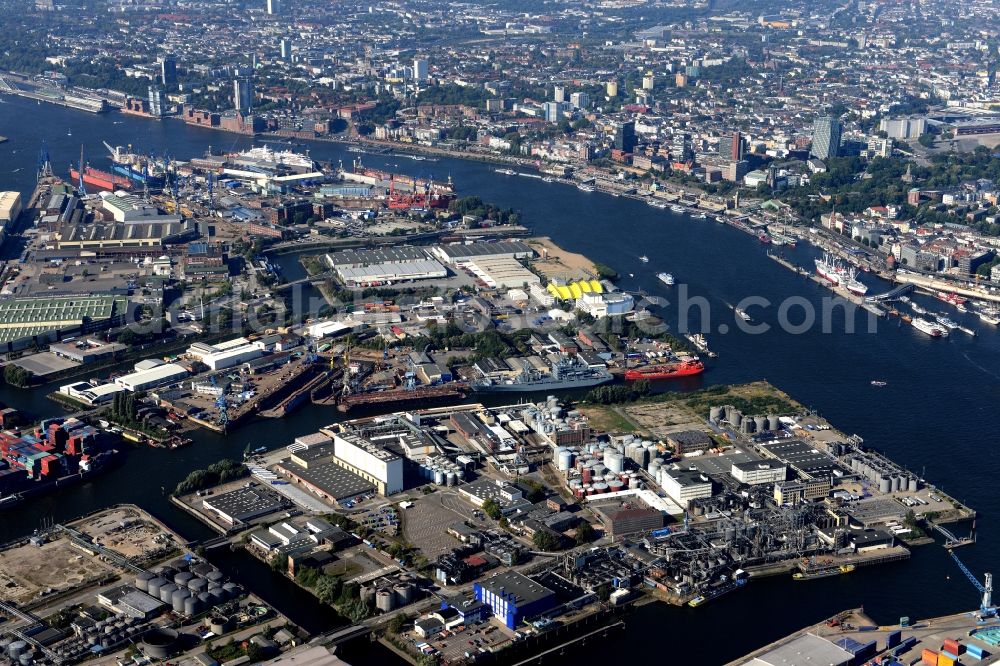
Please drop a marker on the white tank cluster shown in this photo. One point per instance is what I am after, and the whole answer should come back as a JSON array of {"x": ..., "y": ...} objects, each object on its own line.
[
  {"x": 599, "y": 467},
  {"x": 390, "y": 593},
  {"x": 749, "y": 425},
  {"x": 441, "y": 471},
  {"x": 188, "y": 587},
  {"x": 889, "y": 477}
]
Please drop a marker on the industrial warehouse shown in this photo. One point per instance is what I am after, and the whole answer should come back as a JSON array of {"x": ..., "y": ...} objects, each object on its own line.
[{"x": 24, "y": 321}]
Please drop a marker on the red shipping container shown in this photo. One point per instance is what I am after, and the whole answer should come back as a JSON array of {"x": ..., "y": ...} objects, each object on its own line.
[
  {"x": 929, "y": 657},
  {"x": 952, "y": 646}
]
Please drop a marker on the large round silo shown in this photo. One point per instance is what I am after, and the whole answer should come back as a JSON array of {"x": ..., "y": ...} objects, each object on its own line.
[
  {"x": 600, "y": 488},
  {"x": 197, "y": 585},
  {"x": 736, "y": 419},
  {"x": 192, "y": 606},
  {"x": 25, "y": 659},
  {"x": 182, "y": 578},
  {"x": 384, "y": 600},
  {"x": 616, "y": 486},
  {"x": 167, "y": 572},
  {"x": 897, "y": 482},
  {"x": 154, "y": 585},
  {"x": 232, "y": 590},
  {"x": 215, "y": 577},
  {"x": 439, "y": 477},
  {"x": 178, "y": 598},
  {"x": 885, "y": 485},
  {"x": 142, "y": 581},
  {"x": 614, "y": 462},
  {"x": 404, "y": 593},
  {"x": 716, "y": 413},
  {"x": 565, "y": 460},
  {"x": 205, "y": 599},
  {"x": 760, "y": 423},
  {"x": 217, "y": 594},
  {"x": 450, "y": 479},
  {"x": 167, "y": 592},
  {"x": 913, "y": 485},
  {"x": 17, "y": 648},
  {"x": 748, "y": 426}
]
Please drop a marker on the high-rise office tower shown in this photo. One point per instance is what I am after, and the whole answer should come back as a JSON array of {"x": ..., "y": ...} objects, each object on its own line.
[{"x": 826, "y": 137}]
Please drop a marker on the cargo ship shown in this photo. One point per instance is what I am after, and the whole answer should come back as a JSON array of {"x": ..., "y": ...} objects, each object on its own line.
[
  {"x": 671, "y": 370},
  {"x": 718, "y": 591},
  {"x": 100, "y": 179},
  {"x": 823, "y": 572},
  {"x": 991, "y": 318},
  {"x": 565, "y": 374},
  {"x": 831, "y": 270},
  {"x": 140, "y": 169}
]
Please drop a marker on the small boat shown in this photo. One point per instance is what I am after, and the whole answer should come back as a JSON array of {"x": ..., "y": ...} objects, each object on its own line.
[
  {"x": 991, "y": 318},
  {"x": 961, "y": 308},
  {"x": 699, "y": 216},
  {"x": 666, "y": 278},
  {"x": 742, "y": 314},
  {"x": 644, "y": 259},
  {"x": 69, "y": 132},
  {"x": 631, "y": 274},
  {"x": 879, "y": 383},
  {"x": 677, "y": 209},
  {"x": 810, "y": 574},
  {"x": 583, "y": 187},
  {"x": 905, "y": 317}
]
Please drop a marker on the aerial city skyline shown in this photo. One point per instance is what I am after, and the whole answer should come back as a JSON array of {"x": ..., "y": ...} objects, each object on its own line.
[{"x": 498, "y": 332}]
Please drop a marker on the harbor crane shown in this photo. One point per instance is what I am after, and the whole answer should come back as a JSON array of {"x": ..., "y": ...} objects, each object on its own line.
[{"x": 986, "y": 607}]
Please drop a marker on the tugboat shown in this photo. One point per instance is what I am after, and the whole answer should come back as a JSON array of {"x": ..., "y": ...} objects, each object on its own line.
[{"x": 879, "y": 383}]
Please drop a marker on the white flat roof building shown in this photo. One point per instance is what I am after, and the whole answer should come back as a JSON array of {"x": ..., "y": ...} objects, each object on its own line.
[
  {"x": 756, "y": 472},
  {"x": 502, "y": 272},
  {"x": 153, "y": 377},
  {"x": 683, "y": 485}
]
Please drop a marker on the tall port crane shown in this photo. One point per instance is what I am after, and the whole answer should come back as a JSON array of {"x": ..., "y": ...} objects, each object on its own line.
[{"x": 986, "y": 607}]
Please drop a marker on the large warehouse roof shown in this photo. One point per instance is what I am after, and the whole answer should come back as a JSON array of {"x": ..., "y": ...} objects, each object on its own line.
[
  {"x": 471, "y": 250},
  {"x": 385, "y": 255},
  {"x": 23, "y": 317}
]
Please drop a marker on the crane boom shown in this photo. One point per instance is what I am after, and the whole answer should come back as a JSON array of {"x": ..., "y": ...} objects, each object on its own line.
[{"x": 986, "y": 607}]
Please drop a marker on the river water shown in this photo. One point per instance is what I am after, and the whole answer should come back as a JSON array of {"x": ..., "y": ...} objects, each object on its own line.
[{"x": 933, "y": 417}]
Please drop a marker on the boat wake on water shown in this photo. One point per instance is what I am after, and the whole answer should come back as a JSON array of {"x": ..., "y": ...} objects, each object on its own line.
[{"x": 985, "y": 371}]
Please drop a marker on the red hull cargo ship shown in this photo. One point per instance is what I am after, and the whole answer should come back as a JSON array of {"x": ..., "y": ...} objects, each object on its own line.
[
  {"x": 666, "y": 370},
  {"x": 100, "y": 179}
]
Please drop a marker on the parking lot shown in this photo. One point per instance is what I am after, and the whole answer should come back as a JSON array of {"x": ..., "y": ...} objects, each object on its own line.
[
  {"x": 427, "y": 521},
  {"x": 481, "y": 637}
]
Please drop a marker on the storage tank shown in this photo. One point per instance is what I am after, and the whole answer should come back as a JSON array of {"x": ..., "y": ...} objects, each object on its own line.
[
  {"x": 599, "y": 469},
  {"x": 913, "y": 485},
  {"x": 217, "y": 595},
  {"x": 773, "y": 422},
  {"x": 587, "y": 475},
  {"x": 178, "y": 598},
  {"x": 616, "y": 486},
  {"x": 25, "y": 659},
  {"x": 760, "y": 423},
  {"x": 614, "y": 461},
  {"x": 384, "y": 600},
  {"x": 885, "y": 485},
  {"x": 404, "y": 594},
  {"x": 197, "y": 585},
  {"x": 564, "y": 460},
  {"x": 748, "y": 426},
  {"x": 600, "y": 488},
  {"x": 232, "y": 590},
  {"x": 142, "y": 581},
  {"x": 181, "y": 579},
  {"x": 17, "y": 648},
  {"x": 205, "y": 599},
  {"x": 897, "y": 482},
  {"x": 220, "y": 625},
  {"x": 736, "y": 419},
  {"x": 716, "y": 413},
  {"x": 167, "y": 592},
  {"x": 215, "y": 577},
  {"x": 439, "y": 477},
  {"x": 451, "y": 479},
  {"x": 192, "y": 606},
  {"x": 154, "y": 585},
  {"x": 654, "y": 467}
]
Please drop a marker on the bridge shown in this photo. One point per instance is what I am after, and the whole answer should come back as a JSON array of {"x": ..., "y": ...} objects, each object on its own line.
[
  {"x": 952, "y": 541},
  {"x": 891, "y": 295},
  {"x": 318, "y": 278}
]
